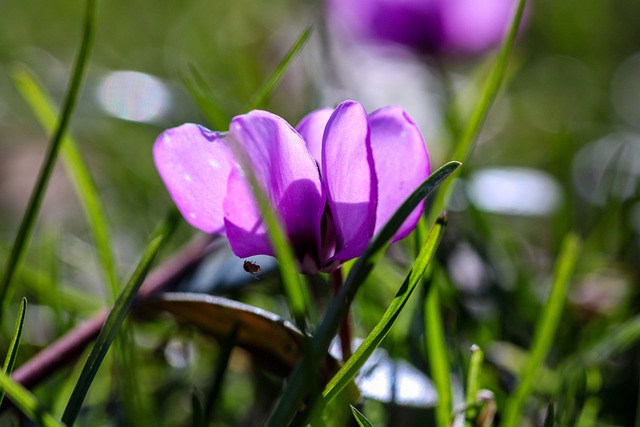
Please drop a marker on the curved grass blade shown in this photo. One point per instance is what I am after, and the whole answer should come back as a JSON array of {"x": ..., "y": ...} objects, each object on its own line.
[
  {"x": 85, "y": 187},
  {"x": 12, "y": 353},
  {"x": 299, "y": 383},
  {"x": 263, "y": 94},
  {"x": 478, "y": 116},
  {"x": 202, "y": 94},
  {"x": 27, "y": 403},
  {"x": 110, "y": 330},
  {"x": 545, "y": 329},
  {"x": 291, "y": 282},
  {"x": 95, "y": 212},
  {"x": 436, "y": 348},
  {"x": 350, "y": 369},
  {"x": 360, "y": 418},
  {"x": 35, "y": 201}
]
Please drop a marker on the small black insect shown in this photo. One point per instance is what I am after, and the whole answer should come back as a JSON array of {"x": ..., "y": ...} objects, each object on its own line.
[{"x": 252, "y": 268}]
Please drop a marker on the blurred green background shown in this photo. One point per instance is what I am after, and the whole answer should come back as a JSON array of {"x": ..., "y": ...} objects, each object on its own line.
[{"x": 560, "y": 151}]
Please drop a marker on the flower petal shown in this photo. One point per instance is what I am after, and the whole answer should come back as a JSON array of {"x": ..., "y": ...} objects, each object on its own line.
[
  {"x": 278, "y": 157},
  {"x": 401, "y": 164},
  {"x": 311, "y": 128},
  {"x": 348, "y": 173},
  {"x": 194, "y": 164}
]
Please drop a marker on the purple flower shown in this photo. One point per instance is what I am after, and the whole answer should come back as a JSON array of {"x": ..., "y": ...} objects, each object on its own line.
[
  {"x": 334, "y": 181},
  {"x": 426, "y": 26}
]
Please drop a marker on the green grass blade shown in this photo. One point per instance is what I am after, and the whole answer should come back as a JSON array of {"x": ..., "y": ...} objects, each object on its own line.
[
  {"x": 490, "y": 89},
  {"x": 65, "y": 296},
  {"x": 263, "y": 94},
  {"x": 12, "y": 353},
  {"x": 202, "y": 94},
  {"x": 473, "y": 381},
  {"x": 545, "y": 328},
  {"x": 27, "y": 403},
  {"x": 218, "y": 378},
  {"x": 112, "y": 326},
  {"x": 197, "y": 413},
  {"x": 35, "y": 201},
  {"x": 379, "y": 332},
  {"x": 550, "y": 417},
  {"x": 299, "y": 382},
  {"x": 85, "y": 187},
  {"x": 293, "y": 286},
  {"x": 437, "y": 355},
  {"x": 614, "y": 342},
  {"x": 360, "y": 418}
]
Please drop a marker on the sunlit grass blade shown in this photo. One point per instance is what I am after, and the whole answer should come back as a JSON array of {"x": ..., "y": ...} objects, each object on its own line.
[
  {"x": 27, "y": 402},
  {"x": 360, "y": 418},
  {"x": 436, "y": 348},
  {"x": 299, "y": 382},
  {"x": 95, "y": 211},
  {"x": 85, "y": 187},
  {"x": 545, "y": 329},
  {"x": 203, "y": 95},
  {"x": 221, "y": 369},
  {"x": 614, "y": 342},
  {"x": 473, "y": 381},
  {"x": 490, "y": 89},
  {"x": 293, "y": 286},
  {"x": 350, "y": 369},
  {"x": 113, "y": 323},
  {"x": 35, "y": 201},
  {"x": 12, "y": 352},
  {"x": 66, "y": 297},
  {"x": 263, "y": 94}
]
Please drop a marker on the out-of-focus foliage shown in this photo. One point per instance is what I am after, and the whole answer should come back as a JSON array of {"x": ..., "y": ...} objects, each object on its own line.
[{"x": 560, "y": 151}]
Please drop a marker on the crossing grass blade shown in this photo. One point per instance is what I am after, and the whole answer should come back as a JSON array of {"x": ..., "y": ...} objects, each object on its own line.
[
  {"x": 263, "y": 94},
  {"x": 291, "y": 282},
  {"x": 301, "y": 380},
  {"x": 67, "y": 298},
  {"x": 360, "y": 418},
  {"x": 545, "y": 329},
  {"x": 350, "y": 369},
  {"x": 88, "y": 195},
  {"x": 114, "y": 321},
  {"x": 490, "y": 90},
  {"x": 436, "y": 349},
  {"x": 203, "y": 95},
  {"x": 12, "y": 352},
  {"x": 27, "y": 402},
  {"x": 35, "y": 201},
  {"x": 95, "y": 211}
]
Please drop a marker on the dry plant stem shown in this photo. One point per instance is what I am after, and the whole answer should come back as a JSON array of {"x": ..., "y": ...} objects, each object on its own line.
[
  {"x": 345, "y": 327},
  {"x": 67, "y": 348}
]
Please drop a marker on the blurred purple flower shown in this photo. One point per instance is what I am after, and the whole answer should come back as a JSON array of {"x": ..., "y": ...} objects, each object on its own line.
[
  {"x": 334, "y": 181},
  {"x": 426, "y": 26}
]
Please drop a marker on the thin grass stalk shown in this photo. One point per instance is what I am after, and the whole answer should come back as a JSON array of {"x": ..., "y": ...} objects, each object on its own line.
[{"x": 35, "y": 201}]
